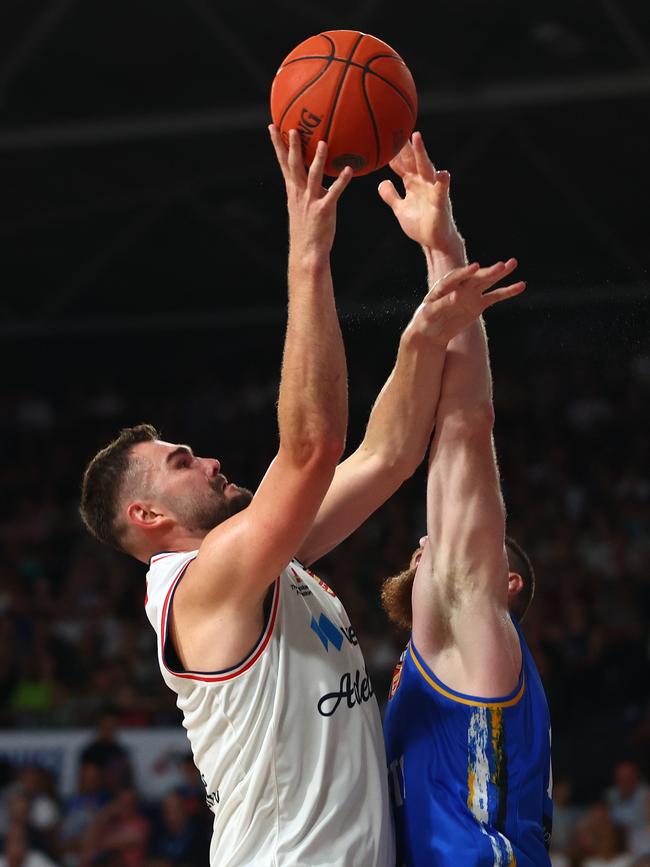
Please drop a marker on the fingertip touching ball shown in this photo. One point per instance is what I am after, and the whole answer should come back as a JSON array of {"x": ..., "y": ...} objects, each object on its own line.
[{"x": 351, "y": 90}]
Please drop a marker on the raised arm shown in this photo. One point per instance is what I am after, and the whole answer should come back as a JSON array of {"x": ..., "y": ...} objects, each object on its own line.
[
  {"x": 460, "y": 593},
  {"x": 402, "y": 418},
  {"x": 239, "y": 559}
]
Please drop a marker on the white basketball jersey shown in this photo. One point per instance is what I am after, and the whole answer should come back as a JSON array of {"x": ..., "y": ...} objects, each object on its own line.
[{"x": 288, "y": 742}]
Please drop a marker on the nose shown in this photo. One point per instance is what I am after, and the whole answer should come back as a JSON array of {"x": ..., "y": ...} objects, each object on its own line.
[
  {"x": 213, "y": 465},
  {"x": 422, "y": 541}
]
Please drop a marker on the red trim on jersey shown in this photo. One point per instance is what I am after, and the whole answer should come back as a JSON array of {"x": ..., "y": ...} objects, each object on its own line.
[
  {"x": 158, "y": 557},
  {"x": 245, "y": 664}
]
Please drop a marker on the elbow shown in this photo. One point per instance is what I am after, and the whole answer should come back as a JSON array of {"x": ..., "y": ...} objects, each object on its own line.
[
  {"x": 400, "y": 468},
  {"x": 315, "y": 453},
  {"x": 394, "y": 467}
]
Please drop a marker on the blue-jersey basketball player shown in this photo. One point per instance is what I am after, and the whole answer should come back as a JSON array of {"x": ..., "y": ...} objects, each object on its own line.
[{"x": 467, "y": 726}]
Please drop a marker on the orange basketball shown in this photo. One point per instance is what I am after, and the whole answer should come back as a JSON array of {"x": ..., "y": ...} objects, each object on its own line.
[{"x": 351, "y": 90}]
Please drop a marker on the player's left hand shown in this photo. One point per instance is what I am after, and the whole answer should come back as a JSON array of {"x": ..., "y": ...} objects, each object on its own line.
[
  {"x": 424, "y": 213},
  {"x": 460, "y": 297}
]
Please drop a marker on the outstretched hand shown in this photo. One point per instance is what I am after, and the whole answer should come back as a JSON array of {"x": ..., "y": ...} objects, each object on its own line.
[
  {"x": 424, "y": 212},
  {"x": 312, "y": 207},
  {"x": 460, "y": 297}
]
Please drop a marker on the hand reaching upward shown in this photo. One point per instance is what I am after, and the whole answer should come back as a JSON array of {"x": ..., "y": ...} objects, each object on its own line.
[
  {"x": 424, "y": 213},
  {"x": 312, "y": 207}
]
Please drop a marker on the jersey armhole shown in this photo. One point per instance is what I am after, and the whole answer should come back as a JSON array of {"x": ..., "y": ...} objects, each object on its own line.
[
  {"x": 461, "y": 698},
  {"x": 169, "y": 654}
]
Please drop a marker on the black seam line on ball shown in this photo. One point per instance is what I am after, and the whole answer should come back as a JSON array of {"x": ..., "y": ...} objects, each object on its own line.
[
  {"x": 387, "y": 81},
  {"x": 339, "y": 88},
  {"x": 310, "y": 82},
  {"x": 372, "y": 116},
  {"x": 364, "y": 66}
]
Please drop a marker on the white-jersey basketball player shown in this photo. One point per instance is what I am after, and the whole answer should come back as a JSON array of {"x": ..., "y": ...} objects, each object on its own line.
[{"x": 277, "y": 702}]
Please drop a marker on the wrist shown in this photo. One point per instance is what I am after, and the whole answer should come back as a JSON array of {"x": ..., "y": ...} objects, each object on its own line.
[
  {"x": 439, "y": 264},
  {"x": 309, "y": 259},
  {"x": 448, "y": 256},
  {"x": 418, "y": 339}
]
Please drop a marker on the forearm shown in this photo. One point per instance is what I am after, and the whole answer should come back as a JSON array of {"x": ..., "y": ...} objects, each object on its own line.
[
  {"x": 401, "y": 421},
  {"x": 467, "y": 381},
  {"x": 312, "y": 406}
]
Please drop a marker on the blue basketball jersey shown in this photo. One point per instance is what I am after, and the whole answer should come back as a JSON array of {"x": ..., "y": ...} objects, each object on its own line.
[{"x": 470, "y": 778}]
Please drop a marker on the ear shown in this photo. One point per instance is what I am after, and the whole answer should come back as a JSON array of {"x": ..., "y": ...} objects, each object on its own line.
[
  {"x": 145, "y": 515},
  {"x": 515, "y": 584}
]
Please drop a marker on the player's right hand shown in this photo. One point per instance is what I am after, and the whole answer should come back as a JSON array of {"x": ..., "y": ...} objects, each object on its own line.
[
  {"x": 312, "y": 207},
  {"x": 424, "y": 212},
  {"x": 460, "y": 297}
]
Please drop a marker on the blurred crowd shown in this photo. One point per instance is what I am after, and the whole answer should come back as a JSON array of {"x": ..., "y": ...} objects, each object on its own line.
[
  {"x": 572, "y": 438},
  {"x": 105, "y": 820}
]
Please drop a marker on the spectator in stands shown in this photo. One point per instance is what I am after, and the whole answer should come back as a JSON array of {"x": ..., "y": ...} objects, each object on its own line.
[
  {"x": 180, "y": 838},
  {"x": 37, "y": 785},
  {"x": 119, "y": 834},
  {"x": 106, "y": 753},
  {"x": 81, "y": 809},
  {"x": 37, "y": 690},
  {"x": 191, "y": 789},
  {"x": 600, "y": 843},
  {"x": 18, "y": 853},
  {"x": 638, "y": 839},
  {"x": 628, "y": 797},
  {"x": 28, "y": 802},
  {"x": 565, "y": 817}
]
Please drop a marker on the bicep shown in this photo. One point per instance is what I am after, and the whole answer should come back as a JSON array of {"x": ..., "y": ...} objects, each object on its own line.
[
  {"x": 465, "y": 510},
  {"x": 466, "y": 566}
]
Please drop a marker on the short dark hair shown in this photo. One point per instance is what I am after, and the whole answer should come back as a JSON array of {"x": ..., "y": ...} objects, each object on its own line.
[
  {"x": 103, "y": 482},
  {"x": 519, "y": 562}
]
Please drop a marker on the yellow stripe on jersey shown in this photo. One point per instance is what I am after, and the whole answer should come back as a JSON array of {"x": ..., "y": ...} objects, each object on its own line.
[{"x": 469, "y": 701}]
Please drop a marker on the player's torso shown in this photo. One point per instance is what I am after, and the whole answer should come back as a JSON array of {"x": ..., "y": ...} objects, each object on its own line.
[
  {"x": 289, "y": 741},
  {"x": 469, "y": 779}
]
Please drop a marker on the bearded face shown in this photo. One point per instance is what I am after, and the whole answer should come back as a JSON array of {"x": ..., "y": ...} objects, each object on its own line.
[
  {"x": 203, "y": 509},
  {"x": 396, "y": 592},
  {"x": 396, "y": 598}
]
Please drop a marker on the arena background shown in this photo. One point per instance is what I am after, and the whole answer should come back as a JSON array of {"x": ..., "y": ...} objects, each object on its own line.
[{"x": 143, "y": 256}]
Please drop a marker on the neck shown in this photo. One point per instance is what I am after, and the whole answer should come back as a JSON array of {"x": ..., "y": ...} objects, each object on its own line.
[{"x": 179, "y": 539}]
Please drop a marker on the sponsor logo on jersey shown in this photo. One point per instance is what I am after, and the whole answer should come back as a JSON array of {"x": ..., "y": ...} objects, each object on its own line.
[
  {"x": 211, "y": 798},
  {"x": 327, "y": 632},
  {"x": 325, "y": 587},
  {"x": 330, "y": 633},
  {"x": 396, "y": 678},
  {"x": 298, "y": 585},
  {"x": 353, "y": 692},
  {"x": 350, "y": 634}
]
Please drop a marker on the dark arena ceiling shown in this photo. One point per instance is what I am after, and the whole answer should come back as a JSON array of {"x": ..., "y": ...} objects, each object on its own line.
[{"x": 138, "y": 182}]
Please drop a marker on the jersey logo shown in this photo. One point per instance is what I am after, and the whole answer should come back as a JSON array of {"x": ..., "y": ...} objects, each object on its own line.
[
  {"x": 211, "y": 798},
  {"x": 396, "y": 678},
  {"x": 298, "y": 585},
  {"x": 352, "y": 692},
  {"x": 327, "y": 631},
  {"x": 325, "y": 586}
]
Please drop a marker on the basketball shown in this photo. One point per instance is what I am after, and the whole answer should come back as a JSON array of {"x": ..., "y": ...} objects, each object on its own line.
[{"x": 353, "y": 91}]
